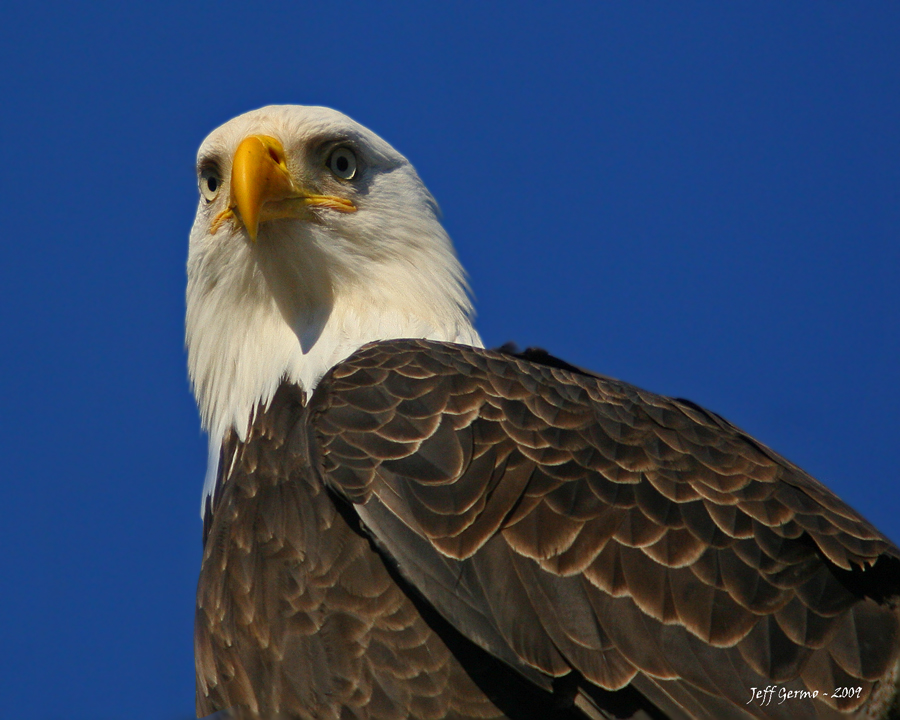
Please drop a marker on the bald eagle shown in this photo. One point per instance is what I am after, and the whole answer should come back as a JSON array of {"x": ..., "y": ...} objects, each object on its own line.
[{"x": 399, "y": 523}]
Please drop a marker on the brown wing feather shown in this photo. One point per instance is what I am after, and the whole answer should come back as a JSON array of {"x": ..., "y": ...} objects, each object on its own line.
[
  {"x": 297, "y": 615},
  {"x": 568, "y": 522}
]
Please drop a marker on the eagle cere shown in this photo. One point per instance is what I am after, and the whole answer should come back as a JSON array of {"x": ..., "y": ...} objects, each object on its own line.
[{"x": 399, "y": 523}]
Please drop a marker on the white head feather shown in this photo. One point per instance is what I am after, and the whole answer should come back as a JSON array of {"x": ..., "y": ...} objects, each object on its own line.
[{"x": 307, "y": 294}]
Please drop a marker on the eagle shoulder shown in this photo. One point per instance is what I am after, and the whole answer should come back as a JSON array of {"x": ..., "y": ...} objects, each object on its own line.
[{"x": 571, "y": 523}]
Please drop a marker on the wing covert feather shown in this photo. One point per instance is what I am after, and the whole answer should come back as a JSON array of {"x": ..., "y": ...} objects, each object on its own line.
[{"x": 565, "y": 521}]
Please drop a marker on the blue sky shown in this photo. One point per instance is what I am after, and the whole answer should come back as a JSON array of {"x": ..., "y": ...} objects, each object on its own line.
[{"x": 701, "y": 200}]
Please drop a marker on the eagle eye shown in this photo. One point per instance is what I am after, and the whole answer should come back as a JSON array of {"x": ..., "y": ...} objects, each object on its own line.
[
  {"x": 209, "y": 184},
  {"x": 342, "y": 162}
]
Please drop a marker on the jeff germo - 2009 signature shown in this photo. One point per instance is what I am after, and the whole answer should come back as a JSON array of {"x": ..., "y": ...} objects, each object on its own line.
[{"x": 765, "y": 696}]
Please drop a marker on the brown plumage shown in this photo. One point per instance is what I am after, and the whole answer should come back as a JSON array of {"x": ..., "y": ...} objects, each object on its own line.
[{"x": 448, "y": 532}]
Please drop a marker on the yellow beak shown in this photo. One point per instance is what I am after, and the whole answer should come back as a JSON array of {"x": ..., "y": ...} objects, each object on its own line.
[
  {"x": 258, "y": 175},
  {"x": 262, "y": 187}
]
